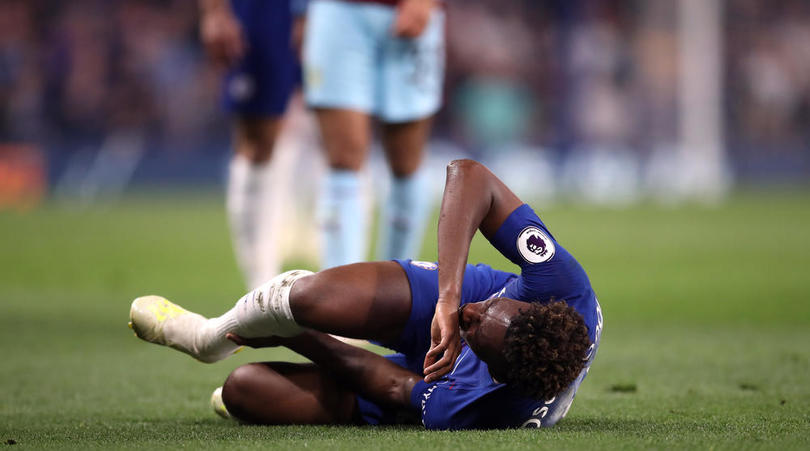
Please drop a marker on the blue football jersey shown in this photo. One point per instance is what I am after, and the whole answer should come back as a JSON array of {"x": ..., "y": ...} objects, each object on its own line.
[{"x": 468, "y": 397}]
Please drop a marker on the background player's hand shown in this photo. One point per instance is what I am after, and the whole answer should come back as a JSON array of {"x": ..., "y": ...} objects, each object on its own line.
[
  {"x": 445, "y": 341},
  {"x": 412, "y": 17},
  {"x": 261, "y": 342},
  {"x": 222, "y": 37}
]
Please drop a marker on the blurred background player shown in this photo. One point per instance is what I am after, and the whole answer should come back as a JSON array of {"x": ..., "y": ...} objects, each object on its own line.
[
  {"x": 257, "y": 41},
  {"x": 380, "y": 59}
]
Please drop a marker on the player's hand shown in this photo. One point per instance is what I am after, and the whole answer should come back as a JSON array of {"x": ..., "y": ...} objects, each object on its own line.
[
  {"x": 445, "y": 341},
  {"x": 222, "y": 37},
  {"x": 412, "y": 17},
  {"x": 261, "y": 342}
]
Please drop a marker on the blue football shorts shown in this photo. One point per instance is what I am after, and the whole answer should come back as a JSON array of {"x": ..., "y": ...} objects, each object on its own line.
[
  {"x": 480, "y": 281},
  {"x": 263, "y": 81}
]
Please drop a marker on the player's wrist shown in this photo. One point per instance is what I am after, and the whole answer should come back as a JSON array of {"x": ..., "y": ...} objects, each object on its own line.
[
  {"x": 449, "y": 297},
  {"x": 448, "y": 305}
]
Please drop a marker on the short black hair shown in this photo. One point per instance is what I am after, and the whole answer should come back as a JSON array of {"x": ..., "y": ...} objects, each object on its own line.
[{"x": 545, "y": 348}]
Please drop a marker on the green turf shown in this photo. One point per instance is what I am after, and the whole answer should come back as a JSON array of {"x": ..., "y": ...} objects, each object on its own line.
[{"x": 707, "y": 326}]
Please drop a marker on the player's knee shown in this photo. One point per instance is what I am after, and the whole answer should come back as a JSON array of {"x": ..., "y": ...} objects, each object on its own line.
[
  {"x": 346, "y": 152},
  {"x": 305, "y": 296},
  {"x": 255, "y": 138},
  {"x": 405, "y": 162},
  {"x": 257, "y": 152},
  {"x": 346, "y": 160},
  {"x": 238, "y": 389}
]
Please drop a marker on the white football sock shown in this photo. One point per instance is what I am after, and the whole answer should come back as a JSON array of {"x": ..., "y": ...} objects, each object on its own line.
[
  {"x": 254, "y": 216},
  {"x": 195, "y": 335},
  {"x": 262, "y": 312}
]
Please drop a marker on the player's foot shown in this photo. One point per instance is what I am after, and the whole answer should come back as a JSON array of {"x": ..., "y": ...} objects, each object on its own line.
[
  {"x": 157, "y": 320},
  {"x": 218, "y": 405}
]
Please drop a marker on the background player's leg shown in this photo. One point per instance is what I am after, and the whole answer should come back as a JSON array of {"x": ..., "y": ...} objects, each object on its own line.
[
  {"x": 364, "y": 300},
  {"x": 287, "y": 393},
  {"x": 406, "y": 210},
  {"x": 254, "y": 199},
  {"x": 341, "y": 208}
]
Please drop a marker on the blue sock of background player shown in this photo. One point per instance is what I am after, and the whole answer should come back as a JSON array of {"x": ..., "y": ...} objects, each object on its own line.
[
  {"x": 403, "y": 218},
  {"x": 343, "y": 219}
]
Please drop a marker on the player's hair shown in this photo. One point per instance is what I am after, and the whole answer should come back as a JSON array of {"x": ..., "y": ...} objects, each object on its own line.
[{"x": 545, "y": 349}]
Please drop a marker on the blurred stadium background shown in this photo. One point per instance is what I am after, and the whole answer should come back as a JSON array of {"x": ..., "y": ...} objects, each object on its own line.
[
  {"x": 608, "y": 101},
  {"x": 666, "y": 143}
]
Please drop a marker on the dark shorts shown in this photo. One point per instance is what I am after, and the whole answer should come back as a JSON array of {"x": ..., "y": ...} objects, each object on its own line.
[
  {"x": 480, "y": 282},
  {"x": 263, "y": 81}
]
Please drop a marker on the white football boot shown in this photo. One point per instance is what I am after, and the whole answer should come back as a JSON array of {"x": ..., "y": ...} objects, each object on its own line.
[
  {"x": 218, "y": 405},
  {"x": 157, "y": 320}
]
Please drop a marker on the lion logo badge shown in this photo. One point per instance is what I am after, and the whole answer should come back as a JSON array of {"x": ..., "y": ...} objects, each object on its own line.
[{"x": 534, "y": 245}]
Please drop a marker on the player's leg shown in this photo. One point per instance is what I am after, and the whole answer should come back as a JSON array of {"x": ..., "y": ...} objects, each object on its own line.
[
  {"x": 364, "y": 300},
  {"x": 411, "y": 74},
  {"x": 341, "y": 209},
  {"x": 339, "y": 62},
  {"x": 287, "y": 393},
  {"x": 407, "y": 207},
  {"x": 256, "y": 92},
  {"x": 253, "y": 198}
]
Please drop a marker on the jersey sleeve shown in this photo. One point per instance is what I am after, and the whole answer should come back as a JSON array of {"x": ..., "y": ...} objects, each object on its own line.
[
  {"x": 524, "y": 239},
  {"x": 548, "y": 271}
]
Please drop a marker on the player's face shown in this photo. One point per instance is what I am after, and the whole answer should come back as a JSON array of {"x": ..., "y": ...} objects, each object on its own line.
[{"x": 483, "y": 326}]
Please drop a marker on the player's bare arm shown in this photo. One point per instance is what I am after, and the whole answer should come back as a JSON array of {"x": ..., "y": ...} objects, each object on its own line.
[
  {"x": 412, "y": 17},
  {"x": 474, "y": 199},
  {"x": 220, "y": 32},
  {"x": 362, "y": 371}
]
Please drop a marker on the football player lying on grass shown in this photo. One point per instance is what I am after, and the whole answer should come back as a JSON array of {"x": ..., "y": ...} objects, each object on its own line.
[{"x": 496, "y": 349}]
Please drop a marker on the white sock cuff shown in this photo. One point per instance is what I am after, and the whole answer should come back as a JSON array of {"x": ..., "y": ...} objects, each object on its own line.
[
  {"x": 272, "y": 300},
  {"x": 279, "y": 300}
]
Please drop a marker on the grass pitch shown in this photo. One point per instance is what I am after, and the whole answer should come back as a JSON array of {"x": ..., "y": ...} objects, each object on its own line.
[{"x": 707, "y": 326}]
